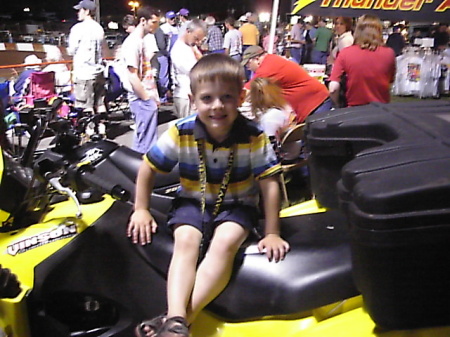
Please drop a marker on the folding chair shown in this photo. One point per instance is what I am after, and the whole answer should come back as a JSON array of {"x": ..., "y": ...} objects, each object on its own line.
[
  {"x": 42, "y": 86},
  {"x": 293, "y": 135}
]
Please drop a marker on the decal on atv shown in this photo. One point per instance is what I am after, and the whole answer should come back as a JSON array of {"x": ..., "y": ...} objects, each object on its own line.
[
  {"x": 61, "y": 232},
  {"x": 171, "y": 190},
  {"x": 92, "y": 156}
]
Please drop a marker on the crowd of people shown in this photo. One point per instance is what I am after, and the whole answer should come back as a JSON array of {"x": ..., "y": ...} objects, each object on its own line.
[{"x": 207, "y": 74}]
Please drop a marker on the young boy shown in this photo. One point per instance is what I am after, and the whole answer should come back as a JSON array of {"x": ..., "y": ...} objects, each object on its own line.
[{"x": 219, "y": 152}]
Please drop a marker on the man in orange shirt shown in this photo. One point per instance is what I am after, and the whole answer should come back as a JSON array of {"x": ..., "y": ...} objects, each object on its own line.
[{"x": 305, "y": 94}]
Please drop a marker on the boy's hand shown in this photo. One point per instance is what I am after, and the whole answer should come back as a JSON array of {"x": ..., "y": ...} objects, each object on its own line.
[
  {"x": 141, "y": 227},
  {"x": 276, "y": 247}
]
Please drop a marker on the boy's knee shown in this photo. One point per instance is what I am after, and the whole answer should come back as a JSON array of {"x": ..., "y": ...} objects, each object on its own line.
[
  {"x": 228, "y": 240},
  {"x": 187, "y": 238}
]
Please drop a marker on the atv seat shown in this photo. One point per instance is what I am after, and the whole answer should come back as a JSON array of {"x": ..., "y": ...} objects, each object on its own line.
[
  {"x": 128, "y": 162},
  {"x": 316, "y": 272}
]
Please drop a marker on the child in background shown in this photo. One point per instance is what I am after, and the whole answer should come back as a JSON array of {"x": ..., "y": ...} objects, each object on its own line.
[
  {"x": 273, "y": 114},
  {"x": 225, "y": 160}
]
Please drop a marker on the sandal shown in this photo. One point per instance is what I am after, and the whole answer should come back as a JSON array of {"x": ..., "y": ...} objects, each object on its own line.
[
  {"x": 150, "y": 327},
  {"x": 175, "y": 325}
]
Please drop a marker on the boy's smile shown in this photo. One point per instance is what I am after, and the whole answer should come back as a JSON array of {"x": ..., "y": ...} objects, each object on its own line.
[{"x": 217, "y": 106}]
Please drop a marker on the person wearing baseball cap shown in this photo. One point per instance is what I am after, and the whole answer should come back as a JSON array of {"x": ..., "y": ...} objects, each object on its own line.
[
  {"x": 165, "y": 35},
  {"x": 21, "y": 85},
  {"x": 250, "y": 53},
  {"x": 170, "y": 28},
  {"x": 183, "y": 16},
  {"x": 86, "y": 41},
  {"x": 183, "y": 12},
  {"x": 305, "y": 94},
  {"x": 250, "y": 37},
  {"x": 85, "y": 4},
  {"x": 171, "y": 15}
]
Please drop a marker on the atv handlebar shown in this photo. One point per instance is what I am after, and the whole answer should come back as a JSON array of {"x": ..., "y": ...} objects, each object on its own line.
[{"x": 95, "y": 181}]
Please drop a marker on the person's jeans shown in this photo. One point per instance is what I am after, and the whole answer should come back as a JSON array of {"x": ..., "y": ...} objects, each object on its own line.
[
  {"x": 296, "y": 54},
  {"x": 319, "y": 57},
  {"x": 326, "y": 105},
  {"x": 146, "y": 119},
  {"x": 164, "y": 74}
]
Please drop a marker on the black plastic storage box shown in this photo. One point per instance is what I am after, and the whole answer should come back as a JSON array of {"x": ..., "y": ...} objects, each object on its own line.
[
  {"x": 336, "y": 137},
  {"x": 397, "y": 199}
]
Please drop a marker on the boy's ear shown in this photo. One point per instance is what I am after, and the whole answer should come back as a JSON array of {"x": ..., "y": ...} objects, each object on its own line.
[{"x": 191, "y": 100}]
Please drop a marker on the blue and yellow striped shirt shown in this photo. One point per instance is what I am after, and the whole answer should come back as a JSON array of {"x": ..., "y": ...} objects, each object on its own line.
[{"x": 254, "y": 158}]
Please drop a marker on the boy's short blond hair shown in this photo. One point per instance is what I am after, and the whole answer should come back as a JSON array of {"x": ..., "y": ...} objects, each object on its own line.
[{"x": 217, "y": 67}]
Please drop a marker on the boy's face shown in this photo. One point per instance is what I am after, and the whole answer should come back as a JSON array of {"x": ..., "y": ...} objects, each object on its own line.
[{"x": 217, "y": 106}]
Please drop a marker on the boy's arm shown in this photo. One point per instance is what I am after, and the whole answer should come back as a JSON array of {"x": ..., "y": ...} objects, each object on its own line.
[
  {"x": 276, "y": 247},
  {"x": 142, "y": 224}
]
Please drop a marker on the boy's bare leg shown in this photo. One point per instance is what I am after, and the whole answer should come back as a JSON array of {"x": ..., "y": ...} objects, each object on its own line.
[
  {"x": 215, "y": 270},
  {"x": 181, "y": 277}
]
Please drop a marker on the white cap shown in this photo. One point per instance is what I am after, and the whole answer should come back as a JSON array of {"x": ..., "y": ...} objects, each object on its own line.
[
  {"x": 32, "y": 59},
  {"x": 243, "y": 18}
]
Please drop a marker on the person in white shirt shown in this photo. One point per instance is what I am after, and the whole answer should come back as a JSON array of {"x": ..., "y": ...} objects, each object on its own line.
[
  {"x": 139, "y": 82},
  {"x": 86, "y": 41},
  {"x": 183, "y": 18},
  {"x": 170, "y": 29},
  {"x": 184, "y": 56},
  {"x": 232, "y": 40},
  {"x": 297, "y": 41}
]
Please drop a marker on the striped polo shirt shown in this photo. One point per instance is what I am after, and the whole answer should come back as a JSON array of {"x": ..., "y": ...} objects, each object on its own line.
[{"x": 254, "y": 158}]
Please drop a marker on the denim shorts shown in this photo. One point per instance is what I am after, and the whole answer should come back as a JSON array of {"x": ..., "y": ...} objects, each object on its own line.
[{"x": 188, "y": 211}]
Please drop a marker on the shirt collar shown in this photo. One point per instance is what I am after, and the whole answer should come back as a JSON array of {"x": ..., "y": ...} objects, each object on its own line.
[{"x": 238, "y": 133}]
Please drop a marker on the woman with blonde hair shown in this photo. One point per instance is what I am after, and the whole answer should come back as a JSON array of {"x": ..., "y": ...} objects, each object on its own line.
[
  {"x": 368, "y": 65},
  {"x": 274, "y": 115}
]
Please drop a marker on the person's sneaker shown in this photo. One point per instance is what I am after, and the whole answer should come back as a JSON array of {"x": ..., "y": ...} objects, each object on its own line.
[{"x": 132, "y": 126}]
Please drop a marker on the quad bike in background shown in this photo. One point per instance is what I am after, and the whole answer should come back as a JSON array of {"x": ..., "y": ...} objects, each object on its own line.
[{"x": 64, "y": 222}]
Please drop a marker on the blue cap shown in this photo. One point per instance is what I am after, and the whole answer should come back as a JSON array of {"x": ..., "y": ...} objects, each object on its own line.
[
  {"x": 170, "y": 15},
  {"x": 183, "y": 12}
]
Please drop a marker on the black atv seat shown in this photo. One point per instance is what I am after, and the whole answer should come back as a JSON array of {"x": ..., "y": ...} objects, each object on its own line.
[
  {"x": 128, "y": 162},
  {"x": 316, "y": 272}
]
